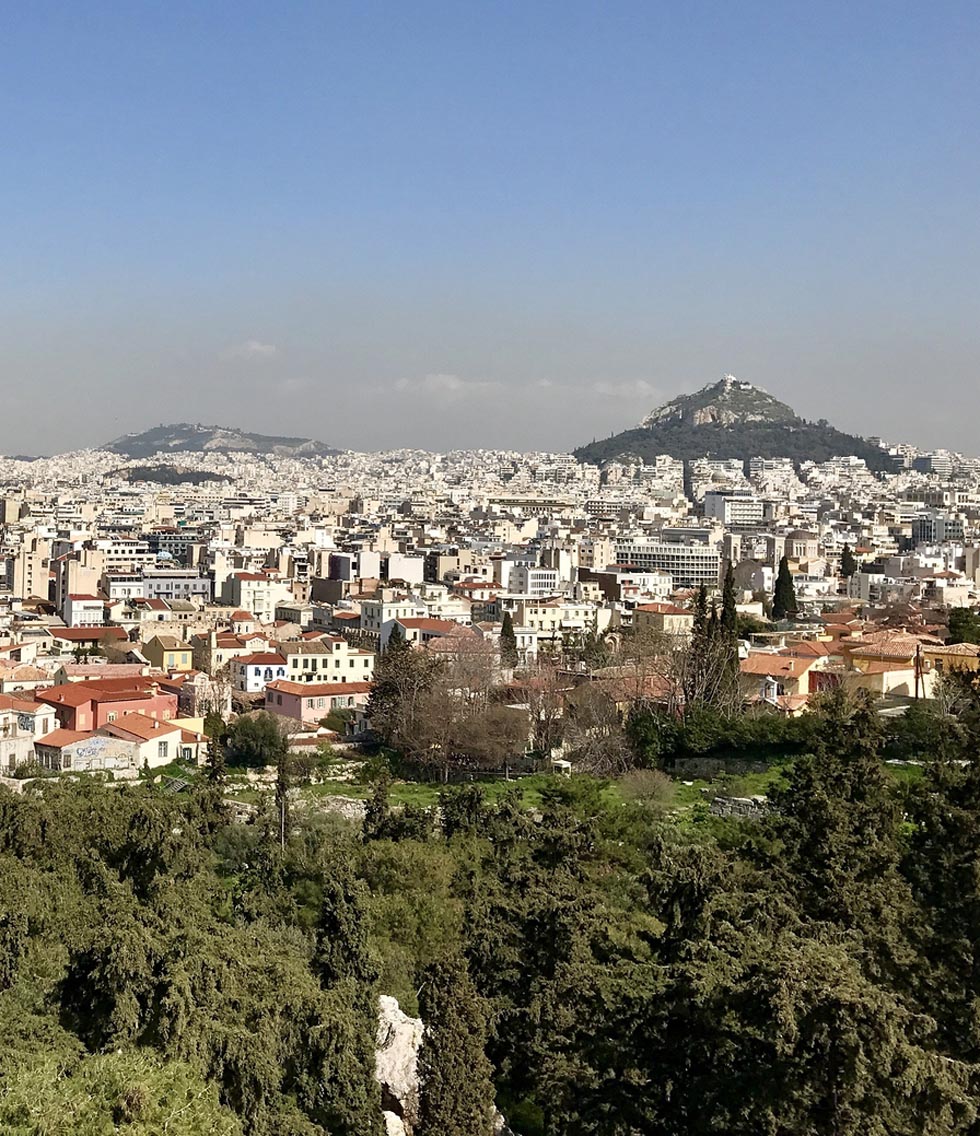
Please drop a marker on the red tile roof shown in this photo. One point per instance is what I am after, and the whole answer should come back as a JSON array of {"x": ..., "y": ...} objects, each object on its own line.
[
  {"x": 58, "y": 739},
  {"x": 318, "y": 689}
]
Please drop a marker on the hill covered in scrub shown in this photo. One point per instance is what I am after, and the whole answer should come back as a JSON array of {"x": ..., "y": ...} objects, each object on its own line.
[
  {"x": 187, "y": 438},
  {"x": 731, "y": 419}
]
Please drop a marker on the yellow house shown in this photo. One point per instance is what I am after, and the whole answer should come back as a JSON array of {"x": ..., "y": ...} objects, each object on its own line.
[
  {"x": 953, "y": 656},
  {"x": 666, "y": 618},
  {"x": 891, "y": 662},
  {"x": 168, "y": 653},
  {"x": 763, "y": 673}
]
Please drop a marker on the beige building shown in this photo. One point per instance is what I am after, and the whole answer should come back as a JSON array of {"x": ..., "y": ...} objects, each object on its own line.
[{"x": 665, "y": 618}]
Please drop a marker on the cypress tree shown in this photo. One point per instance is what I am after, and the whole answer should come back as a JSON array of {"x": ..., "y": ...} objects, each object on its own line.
[
  {"x": 217, "y": 768},
  {"x": 341, "y": 937},
  {"x": 282, "y": 793},
  {"x": 396, "y": 639},
  {"x": 729, "y": 616},
  {"x": 376, "y": 815},
  {"x": 848, "y": 565},
  {"x": 456, "y": 1095},
  {"x": 508, "y": 642},
  {"x": 784, "y": 594}
]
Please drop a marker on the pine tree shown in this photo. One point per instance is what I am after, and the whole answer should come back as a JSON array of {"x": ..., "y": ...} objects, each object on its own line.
[
  {"x": 848, "y": 565},
  {"x": 456, "y": 1095},
  {"x": 784, "y": 594},
  {"x": 508, "y": 642}
]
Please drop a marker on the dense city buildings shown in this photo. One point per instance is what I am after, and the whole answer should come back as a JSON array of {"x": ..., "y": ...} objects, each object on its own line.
[{"x": 240, "y": 579}]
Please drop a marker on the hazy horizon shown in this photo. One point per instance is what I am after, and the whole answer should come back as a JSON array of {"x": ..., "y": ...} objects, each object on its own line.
[{"x": 520, "y": 226}]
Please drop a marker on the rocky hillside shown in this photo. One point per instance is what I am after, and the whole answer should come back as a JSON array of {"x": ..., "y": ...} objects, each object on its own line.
[
  {"x": 731, "y": 419},
  {"x": 183, "y": 437}
]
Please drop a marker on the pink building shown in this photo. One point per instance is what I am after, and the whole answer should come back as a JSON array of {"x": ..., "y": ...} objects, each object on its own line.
[
  {"x": 308, "y": 702},
  {"x": 89, "y": 706}
]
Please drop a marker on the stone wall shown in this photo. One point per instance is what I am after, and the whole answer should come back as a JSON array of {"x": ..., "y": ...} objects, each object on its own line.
[{"x": 739, "y": 807}]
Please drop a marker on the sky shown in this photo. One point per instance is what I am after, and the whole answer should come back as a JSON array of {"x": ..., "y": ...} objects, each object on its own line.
[{"x": 517, "y": 225}]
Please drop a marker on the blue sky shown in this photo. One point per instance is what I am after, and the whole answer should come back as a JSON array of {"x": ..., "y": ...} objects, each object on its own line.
[{"x": 500, "y": 224}]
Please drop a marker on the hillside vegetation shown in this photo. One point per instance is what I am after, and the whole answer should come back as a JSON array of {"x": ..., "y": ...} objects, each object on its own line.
[
  {"x": 731, "y": 419},
  {"x": 603, "y": 965}
]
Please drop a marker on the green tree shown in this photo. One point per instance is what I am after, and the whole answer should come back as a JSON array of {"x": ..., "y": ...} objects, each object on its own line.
[
  {"x": 376, "y": 811},
  {"x": 255, "y": 740},
  {"x": 456, "y": 1096},
  {"x": 508, "y": 642},
  {"x": 964, "y": 625},
  {"x": 217, "y": 767},
  {"x": 729, "y": 614},
  {"x": 942, "y": 863},
  {"x": 402, "y": 679},
  {"x": 784, "y": 594},
  {"x": 282, "y": 794},
  {"x": 848, "y": 565}
]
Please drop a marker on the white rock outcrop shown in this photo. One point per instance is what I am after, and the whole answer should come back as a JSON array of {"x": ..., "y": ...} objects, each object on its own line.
[{"x": 396, "y": 1065}]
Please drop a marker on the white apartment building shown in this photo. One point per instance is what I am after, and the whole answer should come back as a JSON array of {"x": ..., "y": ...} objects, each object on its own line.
[
  {"x": 376, "y": 612},
  {"x": 530, "y": 580},
  {"x": 257, "y": 592},
  {"x": 84, "y": 611},
  {"x": 734, "y": 508},
  {"x": 689, "y": 565},
  {"x": 327, "y": 660}
]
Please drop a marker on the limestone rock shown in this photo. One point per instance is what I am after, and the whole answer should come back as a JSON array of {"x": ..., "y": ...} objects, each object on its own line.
[
  {"x": 394, "y": 1125},
  {"x": 396, "y": 1064}
]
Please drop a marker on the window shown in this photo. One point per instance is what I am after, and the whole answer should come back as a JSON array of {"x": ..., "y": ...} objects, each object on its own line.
[
  {"x": 111, "y": 716},
  {"x": 162, "y": 748}
]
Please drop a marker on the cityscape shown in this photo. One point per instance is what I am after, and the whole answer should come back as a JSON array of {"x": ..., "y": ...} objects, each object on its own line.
[{"x": 489, "y": 569}]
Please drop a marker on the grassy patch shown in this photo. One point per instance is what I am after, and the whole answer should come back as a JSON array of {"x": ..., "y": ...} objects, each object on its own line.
[
  {"x": 905, "y": 774},
  {"x": 178, "y": 770}
]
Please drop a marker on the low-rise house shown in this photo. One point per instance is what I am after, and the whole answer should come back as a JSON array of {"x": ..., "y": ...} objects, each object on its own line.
[
  {"x": 94, "y": 672},
  {"x": 215, "y": 650},
  {"x": 22, "y": 722},
  {"x": 167, "y": 653},
  {"x": 664, "y": 618},
  {"x": 419, "y": 632},
  {"x": 952, "y": 657},
  {"x": 250, "y": 673},
  {"x": 84, "y": 752},
  {"x": 309, "y": 702},
  {"x": 85, "y": 706},
  {"x": 22, "y": 676},
  {"x": 84, "y": 611},
  {"x": 158, "y": 743},
  {"x": 764, "y": 674},
  {"x": 87, "y": 638},
  {"x": 327, "y": 659}
]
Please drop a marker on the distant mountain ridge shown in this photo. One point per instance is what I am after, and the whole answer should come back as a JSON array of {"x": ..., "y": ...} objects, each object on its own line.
[
  {"x": 731, "y": 419},
  {"x": 185, "y": 437}
]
